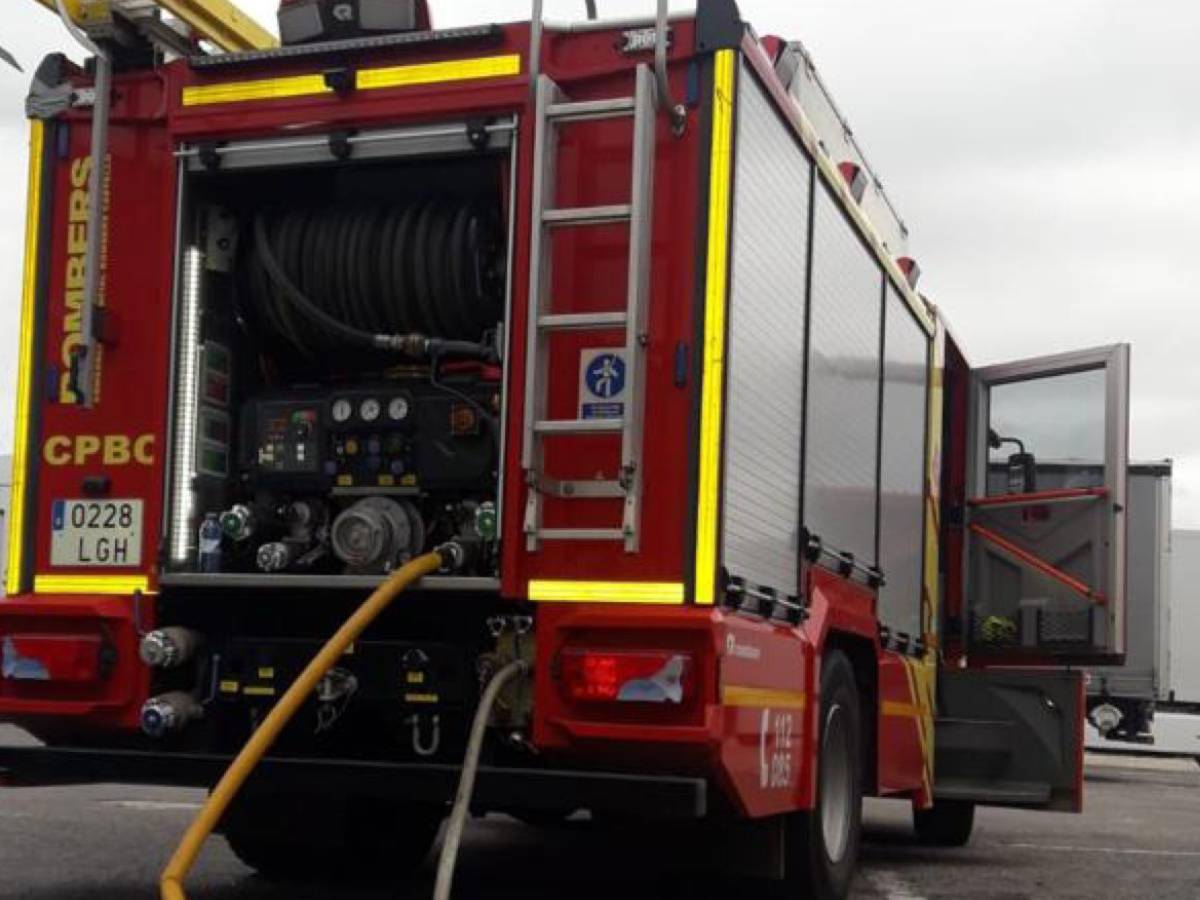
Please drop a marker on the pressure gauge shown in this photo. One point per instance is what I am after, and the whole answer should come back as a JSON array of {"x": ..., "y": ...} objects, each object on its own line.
[
  {"x": 398, "y": 409},
  {"x": 370, "y": 410},
  {"x": 342, "y": 410}
]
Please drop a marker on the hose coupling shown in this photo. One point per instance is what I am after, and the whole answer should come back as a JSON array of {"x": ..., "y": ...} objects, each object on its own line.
[
  {"x": 453, "y": 555},
  {"x": 459, "y": 554},
  {"x": 416, "y": 346}
]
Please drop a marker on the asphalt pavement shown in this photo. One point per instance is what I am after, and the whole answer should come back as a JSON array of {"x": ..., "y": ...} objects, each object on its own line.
[{"x": 1138, "y": 838}]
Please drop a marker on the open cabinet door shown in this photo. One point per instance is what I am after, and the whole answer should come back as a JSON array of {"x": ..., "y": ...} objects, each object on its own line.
[{"x": 1046, "y": 509}]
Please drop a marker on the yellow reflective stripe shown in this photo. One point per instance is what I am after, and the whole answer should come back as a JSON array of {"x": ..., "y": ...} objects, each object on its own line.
[
  {"x": 922, "y": 679},
  {"x": 605, "y": 592},
  {"x": 903, "y": 710},
  {"x": 366, "y": 79},
  {"x": 435, "y": 73},
  {"x": 262, "y": 89},
  {"x": 118, "y": 585},
  {"x": 15, "y": 580},
  {"x": 716, "y": 277},
  {"x": 762, "y": 698},
  {"x": 931, "y": 597}
]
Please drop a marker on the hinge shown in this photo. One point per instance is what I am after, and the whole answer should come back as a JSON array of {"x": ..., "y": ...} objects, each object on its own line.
[{"x": 478, "y": 134}]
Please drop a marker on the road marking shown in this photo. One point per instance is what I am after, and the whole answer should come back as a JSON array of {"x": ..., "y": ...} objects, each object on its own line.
[
  {"x": 892, "y": 886},
  {"x": 1159, "y": 763},
  {"x": 1127, "y": 851},
  {"x": 151, "y": 805}
]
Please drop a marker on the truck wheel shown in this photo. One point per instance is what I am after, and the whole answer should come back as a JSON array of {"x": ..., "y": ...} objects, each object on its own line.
[
  {"x": 947, "y": 823},
  {"x": 822, "y": 845},
  {"x": 362, "y": 841}
]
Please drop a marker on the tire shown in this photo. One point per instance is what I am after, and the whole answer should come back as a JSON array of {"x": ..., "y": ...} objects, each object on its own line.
[
  {"x": 821, "y": 845},
  {"x": 361, "y": 840},
  {"x": 947, "y": 823}
]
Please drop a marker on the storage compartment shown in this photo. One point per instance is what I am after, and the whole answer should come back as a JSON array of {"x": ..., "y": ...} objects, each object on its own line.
[
  {"x": 340, "y": 327},
  {"x": 1046, "y": 505}
]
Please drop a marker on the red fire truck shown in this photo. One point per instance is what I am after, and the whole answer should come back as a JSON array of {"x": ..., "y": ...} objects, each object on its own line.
[{"x": 617, "y": 317}]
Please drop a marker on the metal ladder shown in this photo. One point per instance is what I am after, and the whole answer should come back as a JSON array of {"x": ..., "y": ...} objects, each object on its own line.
[{"x": 553, "y": 110}]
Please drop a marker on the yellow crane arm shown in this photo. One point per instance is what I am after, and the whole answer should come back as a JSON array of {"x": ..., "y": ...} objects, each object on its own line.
[{"x": 220, "y": 21}]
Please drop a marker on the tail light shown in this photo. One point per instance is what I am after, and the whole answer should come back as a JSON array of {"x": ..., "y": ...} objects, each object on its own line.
[
  {"x": 636, "y": 676},
  {"x": 71, "y": 658}
]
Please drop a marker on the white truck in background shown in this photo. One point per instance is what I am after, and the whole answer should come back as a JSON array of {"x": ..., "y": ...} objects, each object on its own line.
[
  {"x": 1182, "y": 692},
  {"x": 1122, "y": 700},
  {"x": 1152, "y": 703},
  {"x": 1177, "y": 716}
]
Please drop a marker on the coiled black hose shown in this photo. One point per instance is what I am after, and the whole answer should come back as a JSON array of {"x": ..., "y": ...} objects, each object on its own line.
[
  {"x": 349, "y": 333},
  {"x": 372, "y": 276}
]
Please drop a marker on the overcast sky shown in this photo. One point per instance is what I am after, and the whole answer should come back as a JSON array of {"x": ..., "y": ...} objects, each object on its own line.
[{"x": 1046, "y": 157}]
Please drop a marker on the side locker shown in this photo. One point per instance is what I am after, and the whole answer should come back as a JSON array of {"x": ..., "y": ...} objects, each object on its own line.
[
  {"x": 1046, "y": 509},
  {"x": 1045, "y": 576},
  {"x": 1010, "y": 738}
]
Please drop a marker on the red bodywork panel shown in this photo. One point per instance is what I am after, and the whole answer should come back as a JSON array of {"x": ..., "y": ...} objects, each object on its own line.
[
  {"x": 750, "y": 718},
  {"x": 122, "y": 436},
  {"x": 149, "y": 122},
  {"x": 113, "y": 700},
  {"x": 590, "y": 272}
]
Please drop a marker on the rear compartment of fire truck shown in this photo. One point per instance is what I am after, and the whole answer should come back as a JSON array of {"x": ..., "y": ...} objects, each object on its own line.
[{"x": 340, "y": 327}]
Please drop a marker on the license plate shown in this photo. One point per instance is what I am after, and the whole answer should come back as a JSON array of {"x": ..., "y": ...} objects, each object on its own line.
[{"x": 99, "y": 533}]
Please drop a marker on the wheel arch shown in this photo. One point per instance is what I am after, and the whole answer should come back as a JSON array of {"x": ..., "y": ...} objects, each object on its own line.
[{"x": 863, "y": 656}]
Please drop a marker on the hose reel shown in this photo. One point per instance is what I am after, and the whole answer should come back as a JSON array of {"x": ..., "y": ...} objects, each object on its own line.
[{"x": 430, "y": 266}]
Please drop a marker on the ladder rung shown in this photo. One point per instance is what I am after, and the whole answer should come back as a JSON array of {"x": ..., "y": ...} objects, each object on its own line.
[
  {"x": 581, "y": 534},
  {"x": 588, "y": 215},
  {"x": 579, "y": 426},
  {"x": 583, "y": 321},
  {"x": 580, "y": 489},
  {"x": 592, "y": 109}
]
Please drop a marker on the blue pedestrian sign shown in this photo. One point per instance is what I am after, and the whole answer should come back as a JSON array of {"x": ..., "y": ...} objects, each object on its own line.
[{"x": 602, "y": 374}]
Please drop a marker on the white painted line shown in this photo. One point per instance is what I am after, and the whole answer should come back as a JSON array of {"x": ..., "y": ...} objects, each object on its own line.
[
  {"x": 1156, "y": 763},
  {"x": 153, "y": 805},
  {"x": 892, "y": 886},
  {"x": 1126, "y": 851}
]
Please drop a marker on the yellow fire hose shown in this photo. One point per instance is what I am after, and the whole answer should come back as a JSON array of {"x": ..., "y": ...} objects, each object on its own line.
[{"x": 171, "y": 882}]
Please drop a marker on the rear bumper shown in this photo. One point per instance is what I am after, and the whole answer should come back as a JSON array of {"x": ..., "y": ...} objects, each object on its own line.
[{"x": 650, "y": 796}]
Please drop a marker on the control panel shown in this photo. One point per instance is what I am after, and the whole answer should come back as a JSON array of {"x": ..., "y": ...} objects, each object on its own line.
[{"x": 399, "y": 438}]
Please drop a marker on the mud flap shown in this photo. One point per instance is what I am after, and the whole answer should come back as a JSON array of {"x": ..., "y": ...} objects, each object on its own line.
[{"x": 1010, "y": 738}]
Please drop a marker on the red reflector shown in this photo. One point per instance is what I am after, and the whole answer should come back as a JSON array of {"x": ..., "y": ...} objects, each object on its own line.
[
  {"x": 636, "y": 676},
  {"x": 50, "y": 657}
]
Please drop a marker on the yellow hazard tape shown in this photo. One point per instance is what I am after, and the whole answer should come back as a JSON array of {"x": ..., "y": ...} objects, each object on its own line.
[
  {"x": 365, "y": 79},
  {"x": 116, "y": 585},
  {"x": 762, "y": 698},
  {"x": 542, "y": 591},
  {"x": 716, "y": 279}
]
